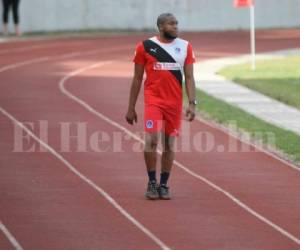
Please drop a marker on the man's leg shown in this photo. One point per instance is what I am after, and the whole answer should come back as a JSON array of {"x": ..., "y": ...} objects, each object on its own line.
[
  {"x": 168, "y": 156},
  {"x": 150, "y": 155},
  {"x": 172, "y": 118},
  {"x": 167, "y": 160}
]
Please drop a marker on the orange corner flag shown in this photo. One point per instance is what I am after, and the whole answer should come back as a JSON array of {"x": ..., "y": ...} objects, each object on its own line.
[{"x": 243, "y": 3}]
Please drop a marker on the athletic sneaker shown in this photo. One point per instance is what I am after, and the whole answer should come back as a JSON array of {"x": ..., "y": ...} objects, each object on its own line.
[
  {"x": 164, "y": 193},
  {"x": 152, "y": 191}
]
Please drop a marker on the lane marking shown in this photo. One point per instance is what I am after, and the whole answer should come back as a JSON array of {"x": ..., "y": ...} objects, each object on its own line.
[
  {"x": 26, "y": 48},
  {"x": 44, "y": 59},
  {"x": 41, "y": 46},
  {"x": 60, "y": 57},
  {"x": 24, "y": 63},
  {"x": 71, "y": 167},
  {"x": 74, "y": 54},
  {"x": 211, "y": 124},
  {"x": 10, "y": 237},
  {"x": 178, "y": 164}
]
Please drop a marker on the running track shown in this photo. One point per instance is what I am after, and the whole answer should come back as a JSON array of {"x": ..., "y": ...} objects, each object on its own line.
[{"x": 91, "y": 200}]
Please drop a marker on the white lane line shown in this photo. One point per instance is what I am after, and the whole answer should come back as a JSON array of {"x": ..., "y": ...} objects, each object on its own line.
[
  {"x": 26, "y": 48},
  {"x": 32, "y": 47},
  {"x": 226, "y": 131},
  {"x": 24, "y": 63},
  {"x": 60, "y": 57},
  {"x": 178, "y": 164},
  {"x": 113, "y": 202},
  {"x": 44, "y": 59},
  {"x": 10, "y": 237},
  {"x": 137, "y": 138},
  {"x": 211, "y": 124},
  {"x": 38, "y": 46}
]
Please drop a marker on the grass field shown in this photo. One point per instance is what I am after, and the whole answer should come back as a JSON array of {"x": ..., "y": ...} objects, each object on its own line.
[
  {"x": 285, "y": 141},
  {"x": 279, "y": 79}
]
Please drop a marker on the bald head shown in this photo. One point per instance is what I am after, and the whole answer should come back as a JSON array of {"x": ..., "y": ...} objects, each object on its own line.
[{"x": 162, "y": 18}]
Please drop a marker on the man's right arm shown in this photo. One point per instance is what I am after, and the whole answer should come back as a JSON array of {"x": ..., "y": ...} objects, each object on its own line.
[{"x": 136, "y": 84}]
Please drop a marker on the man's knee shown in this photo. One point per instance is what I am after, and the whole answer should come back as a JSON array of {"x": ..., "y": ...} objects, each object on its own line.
[
  {"x": 168, "y": 143},
  {"x": 151, "y": 142}
]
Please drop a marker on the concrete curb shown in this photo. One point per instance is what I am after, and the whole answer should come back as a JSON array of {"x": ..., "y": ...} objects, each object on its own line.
[{"x": 259, "y": 105}]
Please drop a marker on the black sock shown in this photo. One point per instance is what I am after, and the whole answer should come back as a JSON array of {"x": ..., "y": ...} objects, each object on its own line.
[
  {"x": 164, "y": 176},
  {"x": 152, "y": 176}
]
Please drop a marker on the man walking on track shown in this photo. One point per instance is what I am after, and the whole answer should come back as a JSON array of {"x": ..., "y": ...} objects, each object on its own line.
[{"x": 165, "y": 58}]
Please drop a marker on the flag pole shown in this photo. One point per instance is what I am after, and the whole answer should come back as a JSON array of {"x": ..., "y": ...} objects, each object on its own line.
[{"x": 252, "y": 25}]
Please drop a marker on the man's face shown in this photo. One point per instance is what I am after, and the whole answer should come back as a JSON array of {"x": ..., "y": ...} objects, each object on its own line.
[{"x": 170, "y": 28}]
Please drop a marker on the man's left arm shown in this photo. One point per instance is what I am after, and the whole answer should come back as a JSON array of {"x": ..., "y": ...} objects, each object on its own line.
[{"x": 190, "y": 91}]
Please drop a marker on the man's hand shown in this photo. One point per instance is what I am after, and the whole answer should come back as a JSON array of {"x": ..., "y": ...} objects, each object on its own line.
[
  {"x": 191, "y": 91},
  {"x": 190, "y": 112},
  {"x": 131, "y": 116}
]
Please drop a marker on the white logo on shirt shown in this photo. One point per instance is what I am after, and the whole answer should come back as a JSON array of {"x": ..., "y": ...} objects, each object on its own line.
[
  {"x": 166, "y": 66},
  {"x": 153, "y": 50}
]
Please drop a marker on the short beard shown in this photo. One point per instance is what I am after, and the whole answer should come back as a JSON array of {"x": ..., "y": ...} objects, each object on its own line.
[{"x": 168, "y": 36}]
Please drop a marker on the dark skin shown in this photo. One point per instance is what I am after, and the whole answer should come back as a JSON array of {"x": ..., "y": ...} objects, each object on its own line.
[{"x": 168, "y": 31}]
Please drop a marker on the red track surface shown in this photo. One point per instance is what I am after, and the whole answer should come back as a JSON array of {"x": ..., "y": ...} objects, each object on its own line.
[{"x": 44, "y": 205}]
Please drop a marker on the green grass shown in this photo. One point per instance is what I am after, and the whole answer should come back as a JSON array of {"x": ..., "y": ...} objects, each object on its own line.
[
  {"x": 286, "y": 142},
  {"x": 279, "y": 79}
]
